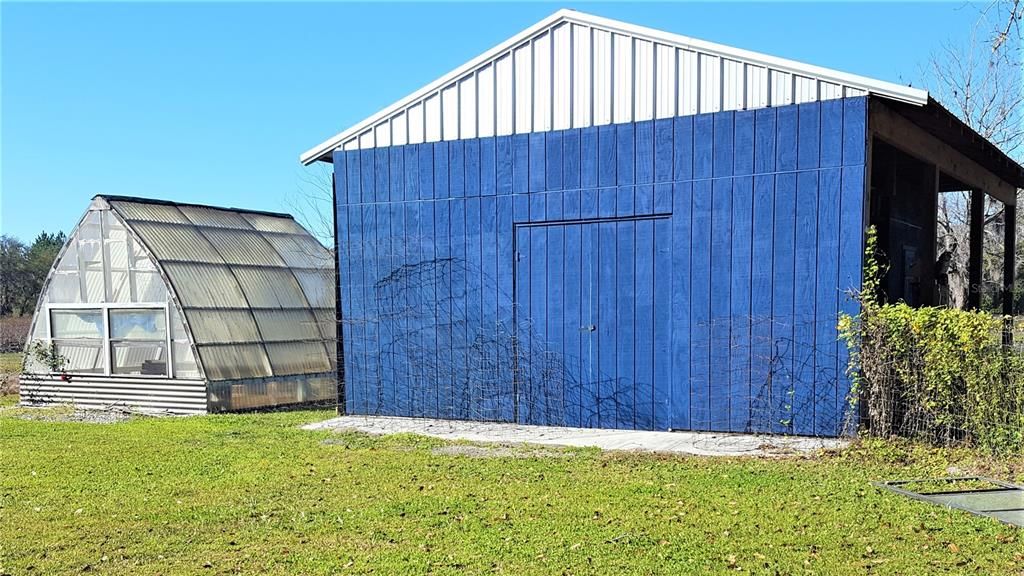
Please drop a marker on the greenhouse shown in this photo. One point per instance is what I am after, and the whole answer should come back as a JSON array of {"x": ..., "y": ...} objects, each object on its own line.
[{"x": 184, "y": 308}]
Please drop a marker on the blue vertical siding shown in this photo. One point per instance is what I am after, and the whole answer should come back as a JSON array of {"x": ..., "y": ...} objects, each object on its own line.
[{"x": 683, "y": 273}]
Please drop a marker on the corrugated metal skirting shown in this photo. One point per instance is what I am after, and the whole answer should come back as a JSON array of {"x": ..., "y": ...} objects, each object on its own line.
[{"x": 173, "y": 396}]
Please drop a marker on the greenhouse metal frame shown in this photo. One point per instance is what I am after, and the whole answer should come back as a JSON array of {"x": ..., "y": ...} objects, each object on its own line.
[{"x": 184, "y": 308}]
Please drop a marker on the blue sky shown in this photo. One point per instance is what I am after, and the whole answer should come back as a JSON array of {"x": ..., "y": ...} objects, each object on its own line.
[{"x": 213, "y": 103}]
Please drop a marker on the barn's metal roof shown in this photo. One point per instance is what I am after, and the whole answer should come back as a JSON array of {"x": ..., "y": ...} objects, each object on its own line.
[{"x": 573, "y": 70}]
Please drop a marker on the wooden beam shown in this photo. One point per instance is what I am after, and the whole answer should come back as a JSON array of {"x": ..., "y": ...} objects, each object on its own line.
[
  {"x": 977, "y": 235},
  {"x": 1009, "y": 256},
  {"x": 895, "y": 129}
]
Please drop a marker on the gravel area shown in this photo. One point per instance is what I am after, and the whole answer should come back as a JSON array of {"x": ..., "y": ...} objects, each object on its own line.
[{"x": 504, "y": 434}]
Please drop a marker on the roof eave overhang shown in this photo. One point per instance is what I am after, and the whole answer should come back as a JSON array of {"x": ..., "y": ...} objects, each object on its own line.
[{"x": 892, "y": 91}]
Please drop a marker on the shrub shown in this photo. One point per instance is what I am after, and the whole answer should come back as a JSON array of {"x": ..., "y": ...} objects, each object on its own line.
[{"x": 936, "y": 374}]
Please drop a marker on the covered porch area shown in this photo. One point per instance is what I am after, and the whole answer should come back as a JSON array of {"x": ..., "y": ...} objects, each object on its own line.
[{"x": 925, "y": 163}]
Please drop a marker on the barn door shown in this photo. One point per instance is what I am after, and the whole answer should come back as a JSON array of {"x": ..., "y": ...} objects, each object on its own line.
[{"x": 584, "y": 305}]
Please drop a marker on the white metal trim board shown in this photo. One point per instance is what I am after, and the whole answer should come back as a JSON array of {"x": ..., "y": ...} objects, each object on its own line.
[{"x": 574, "y": 70}]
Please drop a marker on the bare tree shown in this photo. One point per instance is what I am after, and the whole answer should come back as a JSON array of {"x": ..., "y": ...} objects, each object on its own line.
[
  {"x": 979, "y": 80},
  {"x": 312, "y": 202},
  {"x": 1008, "y": 14}
]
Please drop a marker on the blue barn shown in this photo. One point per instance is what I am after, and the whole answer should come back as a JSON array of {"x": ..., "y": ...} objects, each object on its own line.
[{"x": 598, "y": 224}]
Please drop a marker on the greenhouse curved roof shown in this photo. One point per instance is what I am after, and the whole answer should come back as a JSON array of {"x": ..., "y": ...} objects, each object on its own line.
[{"x": 255, "y": 288}]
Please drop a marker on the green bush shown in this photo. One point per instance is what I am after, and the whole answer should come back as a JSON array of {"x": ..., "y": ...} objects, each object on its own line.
[{"x": 940, "y": 375}]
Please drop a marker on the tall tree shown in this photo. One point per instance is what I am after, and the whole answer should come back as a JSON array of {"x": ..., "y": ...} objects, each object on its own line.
[
  {"x": 39, "y": 258},
  {"x": 12, "y": 273},
  {"x": 23, "y": 270}
]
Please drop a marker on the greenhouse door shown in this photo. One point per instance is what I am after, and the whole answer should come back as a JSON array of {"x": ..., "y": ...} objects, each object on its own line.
[{"x": 585, "y": 315}]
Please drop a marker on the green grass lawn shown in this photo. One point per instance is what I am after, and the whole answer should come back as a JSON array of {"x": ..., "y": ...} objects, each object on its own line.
[{"x": 253, "y": 493}]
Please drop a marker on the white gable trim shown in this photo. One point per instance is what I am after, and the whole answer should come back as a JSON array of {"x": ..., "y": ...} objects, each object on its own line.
[{"x": 622, "y": 69}]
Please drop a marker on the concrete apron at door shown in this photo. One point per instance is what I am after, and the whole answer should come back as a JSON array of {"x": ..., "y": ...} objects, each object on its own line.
[{"x": 694, "y": 443}]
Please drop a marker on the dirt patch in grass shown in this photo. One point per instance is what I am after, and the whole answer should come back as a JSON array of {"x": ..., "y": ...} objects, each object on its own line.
[{"x": 67, "y": 414}]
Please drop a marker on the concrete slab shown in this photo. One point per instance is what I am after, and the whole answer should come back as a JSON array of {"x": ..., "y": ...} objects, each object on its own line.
[{"x": 695, "y": 443}]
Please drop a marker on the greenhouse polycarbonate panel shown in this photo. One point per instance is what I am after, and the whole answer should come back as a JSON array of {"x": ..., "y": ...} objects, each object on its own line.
[
  {"x": 177, "y": 243},
  {"x": 120, "y": 287},
  {"x": 149, "y": 286},
  {"x": 185, "y": 365},
  {"x": 211, "y": 326},
  {"x": 139, "y": 358},
  {"x": 326, "y": 320},
  {"x": 286, "y": 325},
  {"x": 150, "y": 212},
  {"x": 65, "y": 287},
  {"x": 137, "y": 324},
  {"x": 205, "y": 286},
  {"x": 234, "y": 361},
  {"x": 318, "y": 287},
  {"x": 300, "y": 251},
  {"x": 267, "y": 223},
  {"x": 275, "y": 391},
  {"x": 202, "y": 216},
  {"x": 243, "y": 247},
  {"x": 287, "y": 358},
  {"x": 270, "y": 288}
]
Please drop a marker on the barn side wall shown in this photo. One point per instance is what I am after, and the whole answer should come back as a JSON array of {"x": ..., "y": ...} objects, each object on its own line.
[{"x": 684, "y": 273}]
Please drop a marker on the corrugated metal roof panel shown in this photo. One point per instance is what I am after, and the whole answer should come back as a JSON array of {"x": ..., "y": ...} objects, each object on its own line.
[{"x": 615, "y": 69}]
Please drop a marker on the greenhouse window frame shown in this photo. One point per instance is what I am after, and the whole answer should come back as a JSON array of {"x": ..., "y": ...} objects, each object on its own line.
[{"x": 107, "y": 342}]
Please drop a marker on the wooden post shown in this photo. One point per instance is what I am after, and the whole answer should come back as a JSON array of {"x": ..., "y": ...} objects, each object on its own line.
[
  {"x": 977, "y": 224},
  {"x": 929, "y": 289},
  {"x": 1009, "y": 267},
  {"x": 339, "y": 343}
]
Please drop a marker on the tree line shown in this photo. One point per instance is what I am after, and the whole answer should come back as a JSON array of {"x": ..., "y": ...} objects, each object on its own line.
[{"x": 23, "y": 270}]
